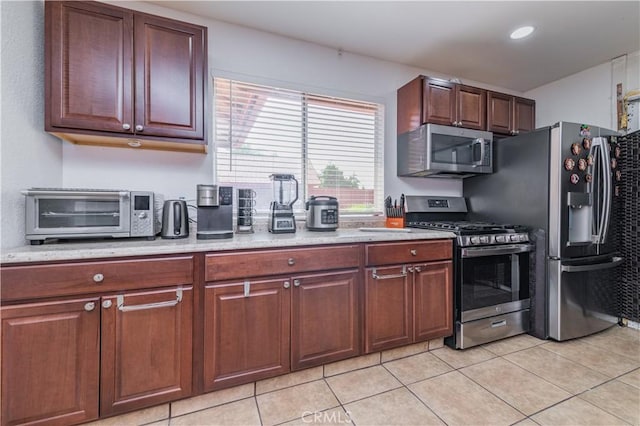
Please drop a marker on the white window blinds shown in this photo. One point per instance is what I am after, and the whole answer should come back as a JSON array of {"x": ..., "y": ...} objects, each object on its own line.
[{"x": 333, "y": 146}]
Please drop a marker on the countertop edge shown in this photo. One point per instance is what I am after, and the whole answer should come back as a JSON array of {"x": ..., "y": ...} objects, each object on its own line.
[{"x": 69, "y": 251}]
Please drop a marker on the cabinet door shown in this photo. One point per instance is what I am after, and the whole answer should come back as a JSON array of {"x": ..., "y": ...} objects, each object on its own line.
[
  {"x": 246, "y": 332},
  {"x": 433, "y": 300},
  {"x": 146, "y": 349},
  {"x": 439, "y": 105},
  {"x": 89, "y": 67},
  {"x": 50, "y": 356},
  {"x": 471, "y": 105},
  {"x": 169, "y": 74},
  {"x": 388, "y": 308},
  {"x": 324, "y": 319},
  {"x": 499, "y": 112},
  {"x": 409, "y": 106},
  {"x": 524, "y": 115}
]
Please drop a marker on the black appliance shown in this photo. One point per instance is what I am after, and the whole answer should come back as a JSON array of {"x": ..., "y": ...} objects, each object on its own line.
[
  {"x": 491, "y": 270},
  {"x": 215, "y": 212},
  {"x": 564, "y": 182}
]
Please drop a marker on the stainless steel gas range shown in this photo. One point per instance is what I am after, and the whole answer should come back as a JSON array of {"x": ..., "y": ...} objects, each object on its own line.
[{"x": 491, "y": 272}]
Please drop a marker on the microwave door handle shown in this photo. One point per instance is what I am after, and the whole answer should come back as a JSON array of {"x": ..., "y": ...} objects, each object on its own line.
[
  {"x": 177, "y": 219},
  {"x": 482, "y": 148}
]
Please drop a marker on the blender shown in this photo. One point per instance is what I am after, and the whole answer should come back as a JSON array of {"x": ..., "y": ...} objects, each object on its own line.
[{"x": 285, "y": 194}]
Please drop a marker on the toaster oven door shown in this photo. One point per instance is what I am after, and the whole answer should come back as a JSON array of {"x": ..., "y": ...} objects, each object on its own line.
[{"x": 60, "y": 213}]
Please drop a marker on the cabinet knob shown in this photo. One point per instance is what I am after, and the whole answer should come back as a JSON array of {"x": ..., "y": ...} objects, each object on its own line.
[
  {"x": 90, "y": 306},
  {"x": 410, "y": 269},
  {"x": 126, "y": 126},
  {"x": 413, "y": 252},
  {"x": 287, "y": 284},
  {"x": 418, "y": 269},
  {"x": 296, "y": 283},
  {"x": 291, "y": 261},
  {"x": 106, "y": 304},
  {"x": 139, "y": 128},
  {"x": 98, "y": 278}
]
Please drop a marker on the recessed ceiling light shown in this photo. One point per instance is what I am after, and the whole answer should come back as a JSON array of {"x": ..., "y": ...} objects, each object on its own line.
[{"x": 521, "y": 32}]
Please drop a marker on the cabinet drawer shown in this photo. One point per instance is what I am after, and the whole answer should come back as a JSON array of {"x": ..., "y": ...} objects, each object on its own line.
[
  {"x": 277, "y": 262},
  {"x": 408, "y": 252},
  {"x": 29, "y": 282}
]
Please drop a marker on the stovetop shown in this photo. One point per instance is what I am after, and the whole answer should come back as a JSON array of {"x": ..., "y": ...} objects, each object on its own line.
[
  {"x": 467, "y": 227},
  {"x": 477, "y": 233}
]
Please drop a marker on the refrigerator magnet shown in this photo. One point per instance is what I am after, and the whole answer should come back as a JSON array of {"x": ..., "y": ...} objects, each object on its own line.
[
  {"x": 569, "y": 164},
  {"x": 575, "y": 178},
  {"x": 575, "y": 149}
]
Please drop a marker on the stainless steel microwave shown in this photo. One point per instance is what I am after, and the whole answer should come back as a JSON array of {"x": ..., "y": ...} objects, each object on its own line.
[
  {"x": 443, "y": 151},
  {"x": 89, "y": 213}
]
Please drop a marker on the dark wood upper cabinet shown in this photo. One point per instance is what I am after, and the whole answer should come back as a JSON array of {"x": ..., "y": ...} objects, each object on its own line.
[
  {"x": 510, "y": 115},
  {"x": 113, "y": 74},
  {"x": 432, "y": 100}
]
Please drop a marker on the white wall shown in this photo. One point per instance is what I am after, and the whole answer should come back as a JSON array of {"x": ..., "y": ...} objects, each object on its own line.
[
  {"x": 588, "y": 96},
  {"x": 29, "y": 156}
]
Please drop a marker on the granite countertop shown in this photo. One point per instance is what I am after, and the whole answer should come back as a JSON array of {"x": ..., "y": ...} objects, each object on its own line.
[{"x": 94, "y": 249}]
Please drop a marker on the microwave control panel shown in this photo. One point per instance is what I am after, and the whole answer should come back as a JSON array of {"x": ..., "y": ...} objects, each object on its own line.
[{"x": 142, "y": 214}]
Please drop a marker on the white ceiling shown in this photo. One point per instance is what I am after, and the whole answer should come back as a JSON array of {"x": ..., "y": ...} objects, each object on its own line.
[{"x": 463, "y": 39}]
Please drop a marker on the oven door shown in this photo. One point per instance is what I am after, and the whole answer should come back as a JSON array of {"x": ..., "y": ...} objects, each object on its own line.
[
  {"x": 493, "y": 280},
  {"x": 60, "y": 213}
]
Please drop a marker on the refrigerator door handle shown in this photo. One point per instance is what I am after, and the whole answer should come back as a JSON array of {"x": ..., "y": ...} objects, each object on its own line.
[
  {"x": 606, "y": 176},
  {"x": 615, "y": 261}
]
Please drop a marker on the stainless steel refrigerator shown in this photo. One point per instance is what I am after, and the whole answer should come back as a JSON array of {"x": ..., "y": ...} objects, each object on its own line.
[{"x": 564, "y": 183}]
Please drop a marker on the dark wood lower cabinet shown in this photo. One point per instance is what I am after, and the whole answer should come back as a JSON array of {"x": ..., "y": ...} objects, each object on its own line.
[
  {"x": 324, "y": 318},
  {"x": 388, "y": 308},
  {"x": 50, "y": 358},
  {"x": 246, "y": 331},
  {"x": 433, "y": 300},
  {"x": 407, "y": 304},
  {"x": 146, "y": 349}
]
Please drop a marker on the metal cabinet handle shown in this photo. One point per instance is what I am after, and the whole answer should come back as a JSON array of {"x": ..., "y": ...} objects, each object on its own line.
[
  {"x": 98, "y": 278},
  {"x": 106, "y": 304},
  {"x": 296, "y": 283},
  {"x": 90, "y": 306},
  {"x": 287, "y": 284},
  {"x": 139, "y": 128},
  {"x": 418, "y": 269},
  {"x": 410, "y": 269},
  {"x": 167, "y": 304},
  {"x": 126, "y": 126},
  {"x": 413, "y": 252},
  {"x": 291, "y": 261},
  {"x": 375, "y": 276}
]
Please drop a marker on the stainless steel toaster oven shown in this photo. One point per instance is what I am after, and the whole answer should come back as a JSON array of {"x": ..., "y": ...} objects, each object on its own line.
[{"x": 60, "y": 213}]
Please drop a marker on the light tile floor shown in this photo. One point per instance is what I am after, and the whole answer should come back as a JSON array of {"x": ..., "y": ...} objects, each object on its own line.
[{"x": 521, "y": 380}]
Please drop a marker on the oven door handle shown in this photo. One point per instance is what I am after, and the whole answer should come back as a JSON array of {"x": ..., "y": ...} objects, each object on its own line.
[{"x": 494, "y": 251}]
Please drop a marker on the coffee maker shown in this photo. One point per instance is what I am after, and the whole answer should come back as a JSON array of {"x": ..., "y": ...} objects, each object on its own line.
[
  {"x": 215, "y": 212},
  {"x": 281, "y": 218}
]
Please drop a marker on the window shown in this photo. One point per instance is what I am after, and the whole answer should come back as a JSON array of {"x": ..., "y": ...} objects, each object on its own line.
[{"x": 333, "y": 146}]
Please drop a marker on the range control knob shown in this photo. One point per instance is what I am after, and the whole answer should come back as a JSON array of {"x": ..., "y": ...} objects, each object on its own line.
[
  {"x": 523, "y": 237},
  {"x": 501, "y": 238},
  {"x": 474, "y": 240},
  {"x": 514, "y": 238},
  {"x": 485, "y": 239}
]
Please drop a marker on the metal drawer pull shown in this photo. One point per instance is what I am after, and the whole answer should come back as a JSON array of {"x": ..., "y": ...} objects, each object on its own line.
[
  {"x": 167, "y": 304},
  {"x": 498, "y": 324},
  {"x": 98, "y": 278},
  {"x": 247, "y": 288},
  {"x": 291, "y": 261},
  {"x": 388, "y": 277}
]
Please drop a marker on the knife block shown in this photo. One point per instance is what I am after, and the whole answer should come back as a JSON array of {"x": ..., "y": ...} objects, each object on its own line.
[{"x": 394, "y": 222}]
